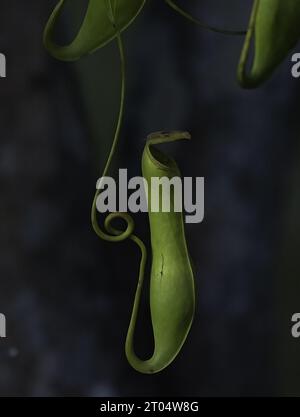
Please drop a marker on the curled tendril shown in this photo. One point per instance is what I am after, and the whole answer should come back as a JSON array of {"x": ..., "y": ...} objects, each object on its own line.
[{"x": 111, "y": 233}]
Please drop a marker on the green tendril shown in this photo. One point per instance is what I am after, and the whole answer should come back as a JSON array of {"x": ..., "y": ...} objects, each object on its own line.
[
  {"x": 112, "y": 234},
  {"x": 194, "y": 20}
]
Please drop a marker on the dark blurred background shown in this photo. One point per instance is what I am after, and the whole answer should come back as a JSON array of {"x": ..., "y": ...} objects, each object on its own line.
[{"x": 66, "y": 294}]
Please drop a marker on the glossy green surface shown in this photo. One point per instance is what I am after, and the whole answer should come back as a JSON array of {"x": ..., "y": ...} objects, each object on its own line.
[
  {"x": 172, "y": 295},
  {"x": 275, "y": 30},
  {"x": 103, "y": 20}
]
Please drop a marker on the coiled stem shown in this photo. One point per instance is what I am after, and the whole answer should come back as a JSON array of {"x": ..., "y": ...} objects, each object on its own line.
[{"x": 111, "y": 234}]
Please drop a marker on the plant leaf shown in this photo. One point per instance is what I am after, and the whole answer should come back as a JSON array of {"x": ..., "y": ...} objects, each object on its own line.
[
  {"x": 275, "y": 26},
  {"x": 97, "y": 29}
]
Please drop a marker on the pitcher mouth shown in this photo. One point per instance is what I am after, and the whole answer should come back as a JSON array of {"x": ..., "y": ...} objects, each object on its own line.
[
  {"x": 160, "y": 138},
  {"x": 171, "y": 134}
]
